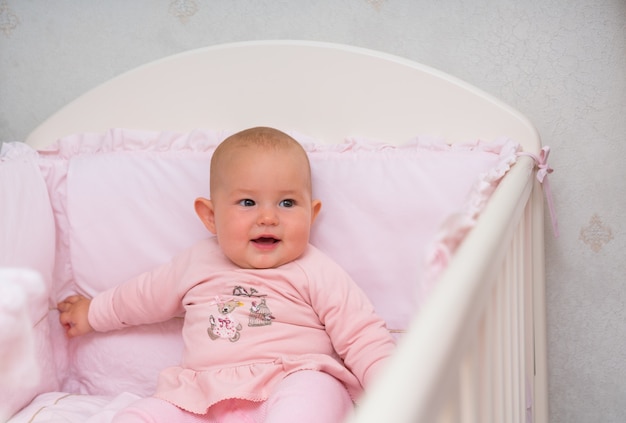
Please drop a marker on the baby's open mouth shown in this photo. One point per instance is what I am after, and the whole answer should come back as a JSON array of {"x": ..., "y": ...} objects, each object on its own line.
[{"x": 265, "y": 240}]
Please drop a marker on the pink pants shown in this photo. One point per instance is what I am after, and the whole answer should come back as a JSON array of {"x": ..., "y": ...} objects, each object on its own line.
[{"x": 304, "y": 396}]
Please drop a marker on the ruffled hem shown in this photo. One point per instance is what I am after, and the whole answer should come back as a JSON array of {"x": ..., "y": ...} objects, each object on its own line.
[
  {"x": 197, "y": 391},
  {"x": 203, "y": 140}
]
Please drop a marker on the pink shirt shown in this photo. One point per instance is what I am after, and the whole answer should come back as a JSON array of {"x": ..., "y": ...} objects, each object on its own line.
[{"x": 246, "y": 329}]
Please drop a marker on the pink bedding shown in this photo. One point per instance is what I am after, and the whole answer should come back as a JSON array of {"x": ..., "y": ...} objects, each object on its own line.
[{"x": 123, "y": 202}]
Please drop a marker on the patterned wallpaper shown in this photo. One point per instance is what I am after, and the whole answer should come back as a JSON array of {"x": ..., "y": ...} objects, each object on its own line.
[
  {"x": 8, "y": 19},
  {"x": 562, "y": 63}
]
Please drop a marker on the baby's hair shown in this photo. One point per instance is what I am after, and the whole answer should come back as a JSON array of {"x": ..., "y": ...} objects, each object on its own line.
[{"x": 261, "y": 137}]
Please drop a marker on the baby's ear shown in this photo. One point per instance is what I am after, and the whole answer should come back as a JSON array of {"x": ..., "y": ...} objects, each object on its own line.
[
  {"x": 316, "y": 206},
  {"x": 204, "y": 210}
]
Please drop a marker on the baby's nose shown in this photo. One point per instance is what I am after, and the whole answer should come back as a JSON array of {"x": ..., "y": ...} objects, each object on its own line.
[{"x": 268, "y": 216}]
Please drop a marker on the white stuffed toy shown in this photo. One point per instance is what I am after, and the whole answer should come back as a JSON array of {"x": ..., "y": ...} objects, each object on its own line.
[{"x": 18, "y": 365}]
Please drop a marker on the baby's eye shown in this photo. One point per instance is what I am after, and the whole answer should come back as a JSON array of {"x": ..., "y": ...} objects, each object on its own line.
[
  {"x": 247, "y": 202},
  {"x": 287, "y": 203}
]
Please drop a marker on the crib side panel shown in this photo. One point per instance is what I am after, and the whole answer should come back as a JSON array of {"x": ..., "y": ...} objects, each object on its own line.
[
  {"x": 474, "y": 352},
  {"x": 501, "y": 375}
]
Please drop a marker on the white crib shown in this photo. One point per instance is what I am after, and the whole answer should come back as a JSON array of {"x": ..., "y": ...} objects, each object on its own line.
[{"x": 476, "y": 351}]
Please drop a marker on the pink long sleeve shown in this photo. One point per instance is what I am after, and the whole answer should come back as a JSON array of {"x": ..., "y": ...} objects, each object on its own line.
[
  {"x": 151, "y": 297},
  {"x": 357, "y": 333}
]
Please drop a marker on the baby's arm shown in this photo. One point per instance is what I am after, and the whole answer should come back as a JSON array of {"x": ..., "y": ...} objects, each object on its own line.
[
  {"x": 154, "y": 296},
  {"x": 358, "y": 334},
  {"x": 74, "y": 311}
]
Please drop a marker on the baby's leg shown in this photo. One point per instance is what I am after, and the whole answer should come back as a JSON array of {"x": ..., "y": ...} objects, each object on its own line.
[{"x": 308, "y": 396}]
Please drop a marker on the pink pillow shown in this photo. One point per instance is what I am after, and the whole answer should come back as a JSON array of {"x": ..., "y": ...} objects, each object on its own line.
[
  {"x": 385, "y": 206},
  {"x": 27, "y": 251},
  {"x": 125, "y": 205}
]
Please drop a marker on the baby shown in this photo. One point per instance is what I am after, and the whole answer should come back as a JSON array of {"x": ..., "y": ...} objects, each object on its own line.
[{"x": 274, "y": 330}]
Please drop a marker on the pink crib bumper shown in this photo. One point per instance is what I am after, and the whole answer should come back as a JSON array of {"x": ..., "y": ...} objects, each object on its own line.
[{"x": 123, "y": 203}]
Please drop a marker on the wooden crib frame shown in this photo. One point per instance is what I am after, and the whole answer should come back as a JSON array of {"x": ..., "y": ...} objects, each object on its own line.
[{"x": 477, "y": 351}]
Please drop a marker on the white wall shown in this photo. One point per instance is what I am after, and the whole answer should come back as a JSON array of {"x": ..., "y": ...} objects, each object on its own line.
[{"x": 562, "y": 63}]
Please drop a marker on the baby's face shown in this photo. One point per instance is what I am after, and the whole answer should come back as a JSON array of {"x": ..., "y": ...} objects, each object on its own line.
[{"x": 262, "y": 207}]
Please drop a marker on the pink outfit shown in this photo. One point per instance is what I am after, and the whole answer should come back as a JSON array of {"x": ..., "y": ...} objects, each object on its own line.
[{"x": 245, "y": 330}]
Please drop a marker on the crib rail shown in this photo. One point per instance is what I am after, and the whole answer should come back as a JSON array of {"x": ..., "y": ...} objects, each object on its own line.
[{"x": 485, "y": 360}]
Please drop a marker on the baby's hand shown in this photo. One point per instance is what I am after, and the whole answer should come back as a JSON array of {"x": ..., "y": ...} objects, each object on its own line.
[{"x": 74, "y": 311}]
